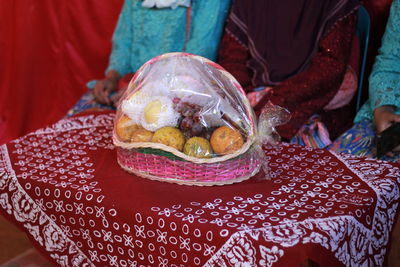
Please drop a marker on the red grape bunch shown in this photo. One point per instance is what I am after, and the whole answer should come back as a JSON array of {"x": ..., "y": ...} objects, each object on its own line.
[{"x": 190, "y": 122}]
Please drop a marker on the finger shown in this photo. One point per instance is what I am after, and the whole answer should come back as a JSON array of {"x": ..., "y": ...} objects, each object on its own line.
[
  {"x": 389, "y": 120},
  {"x": 116, "y": 97},
  {"x": 390, "y": 154},
  {"x": 382, "y": 126},
  {"x": 100, "y": 97},
  {"x": 97, "y": 86},
  {"x": 97, "y": 91},
  {"x": 396, "y": 149},
  {"x": 396, "y": 118},
  {"x": 104, "y": 97},
  {"x": 114, "y": 101},
  {"x": 385, "y": 123},
  {"x": 107, "y": 93}
]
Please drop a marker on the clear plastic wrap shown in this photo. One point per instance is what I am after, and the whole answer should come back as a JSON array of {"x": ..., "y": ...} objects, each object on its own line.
[{"x": 184, "y": 119}]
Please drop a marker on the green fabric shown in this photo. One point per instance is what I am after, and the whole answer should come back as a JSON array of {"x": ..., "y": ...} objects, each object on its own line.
[{"x": 384, "y": 81}]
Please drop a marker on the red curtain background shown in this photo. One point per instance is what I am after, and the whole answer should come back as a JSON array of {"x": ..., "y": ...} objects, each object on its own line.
[{"x": 49, "y": 49}]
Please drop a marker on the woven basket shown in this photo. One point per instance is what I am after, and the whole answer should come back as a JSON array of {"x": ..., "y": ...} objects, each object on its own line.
[{"x": 163, "y": 163}]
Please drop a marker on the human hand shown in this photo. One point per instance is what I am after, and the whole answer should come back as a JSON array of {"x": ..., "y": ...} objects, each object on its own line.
[
  {"x": 384, "y": 116},
  {"x": 103, "y": 88},
  {"x": 396, "y": 149},
  {"x": 116, "y": 97}
]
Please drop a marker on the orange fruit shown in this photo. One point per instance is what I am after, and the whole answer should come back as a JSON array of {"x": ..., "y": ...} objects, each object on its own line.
[
  {"x": 225, "y": 140},
  {"x": 125, "y": 128},
  {"x": 141, "y": 135}
]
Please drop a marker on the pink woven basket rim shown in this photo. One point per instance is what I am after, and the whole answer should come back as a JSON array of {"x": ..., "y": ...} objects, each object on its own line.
[{"x": 188, "y": 172}]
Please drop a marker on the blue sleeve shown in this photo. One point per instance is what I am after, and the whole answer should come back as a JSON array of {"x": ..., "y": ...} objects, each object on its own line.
[
  {"x": 384, "y": 82},
  {"x": 207, "y": 24},
  {"x": 120, "y": 57}
]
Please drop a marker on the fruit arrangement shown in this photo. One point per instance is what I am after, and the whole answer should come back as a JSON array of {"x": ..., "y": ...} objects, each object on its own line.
[
  {"x": 184, "y": 119},
  {"x": 180, "y": 125},
  {"x": 187, "y": 113}
]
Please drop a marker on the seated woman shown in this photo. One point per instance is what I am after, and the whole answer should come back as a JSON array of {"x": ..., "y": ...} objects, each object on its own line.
[
  {"x": 298, "y": 54},
  {"x": 146, "y": 29},
  {"x": 383, "y": 107}
]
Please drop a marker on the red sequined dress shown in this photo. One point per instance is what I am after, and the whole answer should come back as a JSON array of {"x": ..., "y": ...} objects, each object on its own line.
[{"x": 325, "y": 87}]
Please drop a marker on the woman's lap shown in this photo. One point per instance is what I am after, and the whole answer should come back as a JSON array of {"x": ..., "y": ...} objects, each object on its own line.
[
  {"x": 86, "y": 103},
  {"x": 313, "y": 134},
  {"x": 360, "y": 140}
]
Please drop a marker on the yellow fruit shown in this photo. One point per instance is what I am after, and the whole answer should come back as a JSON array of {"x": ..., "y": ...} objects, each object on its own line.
[
  {"x": 226, "y": 140},
  {"x": 198, "y": 147},
  {"x": 169, "y": 136},
  {"x": 141, "y": 135},
  {"x": 152, "y": 111},
  {"x": 125, "y": 128}
]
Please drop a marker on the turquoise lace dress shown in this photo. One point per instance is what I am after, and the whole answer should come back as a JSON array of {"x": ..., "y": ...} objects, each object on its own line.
[
  {"x": 384, "y": 89},
  {"x": 143, "y": 33}
]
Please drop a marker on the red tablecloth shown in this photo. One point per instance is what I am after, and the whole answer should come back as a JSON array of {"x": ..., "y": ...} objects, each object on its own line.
[{"x": 63, "y": 186}]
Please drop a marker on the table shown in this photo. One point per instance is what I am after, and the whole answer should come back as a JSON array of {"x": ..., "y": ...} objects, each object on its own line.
[{"x": 63, "y": 187}]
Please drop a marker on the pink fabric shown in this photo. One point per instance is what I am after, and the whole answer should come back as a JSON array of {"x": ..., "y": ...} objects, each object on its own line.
[
  {"x": 255, "y": 97},
  {"x": 346, "y": 92},
  {"x": 64, "y": 187},
  {"x": 48, "y": 51}
]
